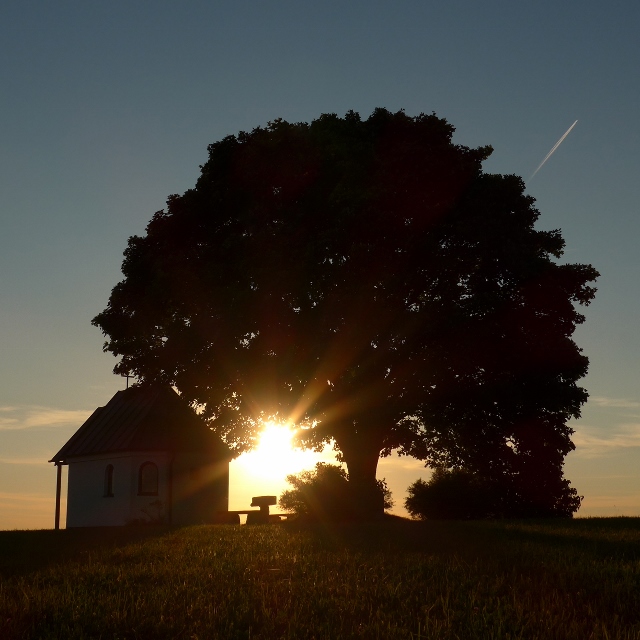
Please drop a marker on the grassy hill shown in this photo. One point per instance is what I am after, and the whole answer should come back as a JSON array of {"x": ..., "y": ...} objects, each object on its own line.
[{"x": 396, "y": 579}]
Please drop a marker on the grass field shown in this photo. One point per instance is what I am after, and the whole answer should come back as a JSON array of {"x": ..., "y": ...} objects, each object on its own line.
[{"x": 397, "y": 579}]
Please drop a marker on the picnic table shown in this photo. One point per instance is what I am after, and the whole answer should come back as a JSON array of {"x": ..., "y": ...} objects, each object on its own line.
[{"x": 255, "y": 516}]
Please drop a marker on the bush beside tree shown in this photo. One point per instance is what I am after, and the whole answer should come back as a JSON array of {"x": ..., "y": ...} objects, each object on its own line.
[
  {"x": 323, "y": 493},
  {"x": 459, "y": 494}
]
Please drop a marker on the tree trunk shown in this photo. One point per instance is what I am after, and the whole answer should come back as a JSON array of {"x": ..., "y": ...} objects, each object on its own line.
[{"x": 361, "y": 457}]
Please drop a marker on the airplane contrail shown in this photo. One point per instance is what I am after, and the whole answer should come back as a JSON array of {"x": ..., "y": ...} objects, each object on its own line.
[{"x": 555, "y": 146}]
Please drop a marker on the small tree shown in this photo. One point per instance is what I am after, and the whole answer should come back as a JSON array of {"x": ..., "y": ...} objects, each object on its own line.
[
  {"x": 450, "y": 495},
  {"x": 323, "y": 493},
  {"x": 459, "y": 494}
]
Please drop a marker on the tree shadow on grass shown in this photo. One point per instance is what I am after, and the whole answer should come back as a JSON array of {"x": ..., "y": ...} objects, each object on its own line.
[
  {"x": 395, "y": 536},
  {"x": 611, "y": 539},
  {"x": 615, "y": 539}
]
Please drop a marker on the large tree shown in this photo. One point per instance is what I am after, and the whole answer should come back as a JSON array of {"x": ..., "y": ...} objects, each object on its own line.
[{"x": 367, "y": 280}]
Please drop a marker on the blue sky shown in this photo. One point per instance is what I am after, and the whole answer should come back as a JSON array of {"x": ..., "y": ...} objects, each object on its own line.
[{"x": 106, "y": 108}]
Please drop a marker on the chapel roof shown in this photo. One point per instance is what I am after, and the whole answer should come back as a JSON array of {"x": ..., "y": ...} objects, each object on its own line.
[{"x": 143, "y": 418}]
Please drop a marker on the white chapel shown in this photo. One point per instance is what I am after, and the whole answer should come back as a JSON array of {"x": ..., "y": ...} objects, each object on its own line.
[{"x": 144, "y": 457}]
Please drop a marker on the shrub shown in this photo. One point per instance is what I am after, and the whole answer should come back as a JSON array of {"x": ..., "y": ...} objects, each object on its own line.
[
  {"x": 459, "y": 494},
  {"x": 450, "y": 495},
  {"x": 323, "y": 493}
]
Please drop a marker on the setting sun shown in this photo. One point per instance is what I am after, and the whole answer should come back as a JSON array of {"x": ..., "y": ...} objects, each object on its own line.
[
  {"x": 275, "y": 457},
  {"x": 263, "y": 471},
  {"x": 275, "y": 442}
]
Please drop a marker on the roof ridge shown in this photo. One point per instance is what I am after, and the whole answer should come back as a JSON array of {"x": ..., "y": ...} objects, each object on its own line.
[
  {"x": 142, "y": 418},
  {"x": 111, "y": 427}
]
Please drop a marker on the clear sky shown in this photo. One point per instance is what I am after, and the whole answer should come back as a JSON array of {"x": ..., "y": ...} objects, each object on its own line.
[{"x": 106, "y": 108}]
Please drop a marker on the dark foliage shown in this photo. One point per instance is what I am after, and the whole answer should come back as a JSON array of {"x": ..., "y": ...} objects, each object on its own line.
[
  {"x": 367, "y": 280},
  {"x": 449, "y": 495},
  {"x": 323, "y": 493},
  {"x": 458, "y": 494}
]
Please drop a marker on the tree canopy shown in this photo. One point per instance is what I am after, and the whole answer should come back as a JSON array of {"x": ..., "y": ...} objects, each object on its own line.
[{"x": 368, "y": 281}]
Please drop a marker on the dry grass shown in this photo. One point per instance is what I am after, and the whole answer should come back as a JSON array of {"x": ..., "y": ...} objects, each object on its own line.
[{"x": 398, "y": 579}]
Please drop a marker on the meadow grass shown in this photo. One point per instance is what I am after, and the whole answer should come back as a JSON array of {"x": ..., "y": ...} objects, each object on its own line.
[{"x": 395, "y": 579}]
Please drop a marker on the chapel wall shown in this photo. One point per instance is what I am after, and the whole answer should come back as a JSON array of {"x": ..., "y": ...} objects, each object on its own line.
[{"x": 87, "y": 504}]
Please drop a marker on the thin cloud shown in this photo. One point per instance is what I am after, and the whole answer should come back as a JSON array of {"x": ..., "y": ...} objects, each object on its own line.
[
  {"x": 29, "y": 417},
  {"x": 624, "y": 503},
  {"x": 594, "y": 443},
  {"x": 31, "y": 498},
  {"x": 617, "y": 403},
  {"x": 21, "y": 461}
]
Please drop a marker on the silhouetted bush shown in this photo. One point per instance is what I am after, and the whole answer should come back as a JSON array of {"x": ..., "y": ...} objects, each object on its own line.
[
  {"x": 459, "y": 494},
  {"x": 450, "y": 495},
  {"x": 324, "y": 493}
]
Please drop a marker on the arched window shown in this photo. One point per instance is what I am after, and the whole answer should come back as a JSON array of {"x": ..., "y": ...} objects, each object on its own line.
[
  {"x": 108, "y": 481},
  {"x": 148, "y": 479}
]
